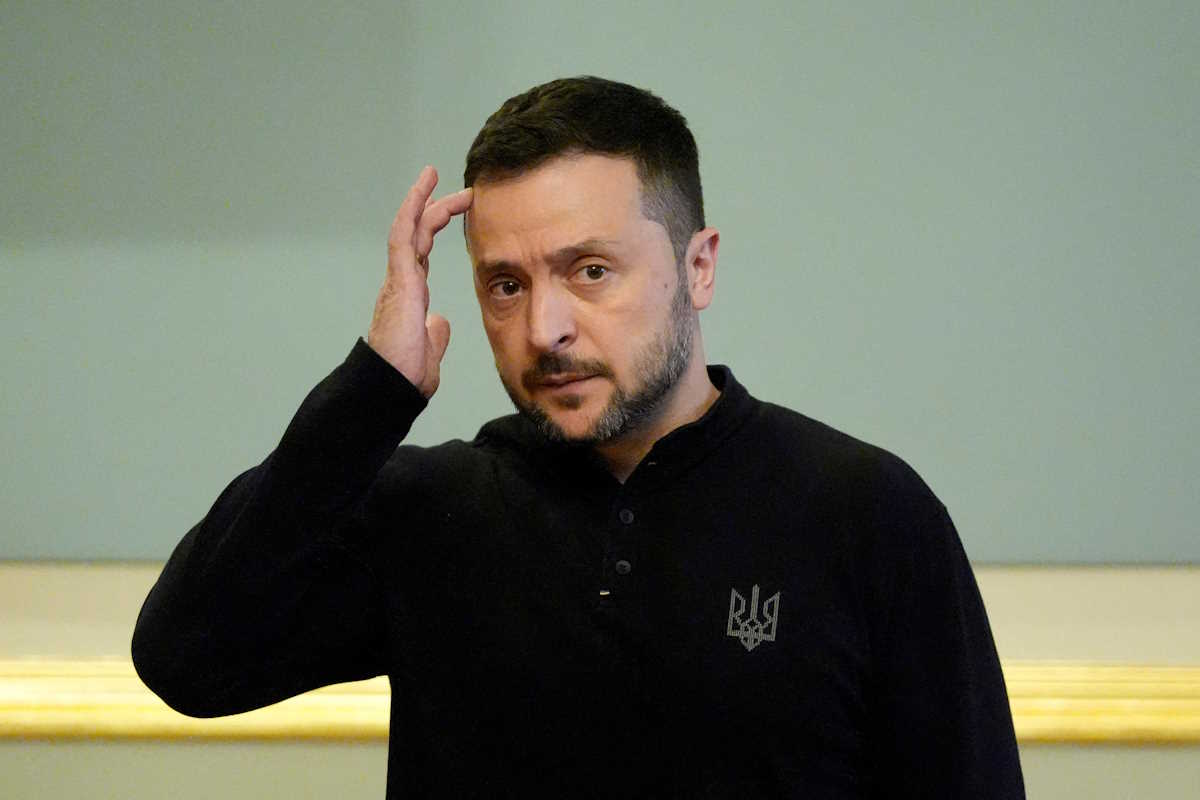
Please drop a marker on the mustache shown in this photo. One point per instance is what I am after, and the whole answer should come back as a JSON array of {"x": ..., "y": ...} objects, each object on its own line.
[{"x": 548, "y": 365}]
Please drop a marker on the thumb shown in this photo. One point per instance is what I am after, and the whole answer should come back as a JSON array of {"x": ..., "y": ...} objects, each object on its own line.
[{"x": 439, "y": 335}]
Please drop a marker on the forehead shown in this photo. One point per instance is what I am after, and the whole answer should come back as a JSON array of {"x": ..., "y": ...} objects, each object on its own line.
[{"x": 566, "y": 200}]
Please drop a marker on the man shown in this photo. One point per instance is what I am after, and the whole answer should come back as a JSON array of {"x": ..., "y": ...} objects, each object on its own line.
[{"x": 645, "y": 584}]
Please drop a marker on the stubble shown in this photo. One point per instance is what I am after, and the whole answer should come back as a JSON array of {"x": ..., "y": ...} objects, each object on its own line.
[{"x": 657, "y": 370}]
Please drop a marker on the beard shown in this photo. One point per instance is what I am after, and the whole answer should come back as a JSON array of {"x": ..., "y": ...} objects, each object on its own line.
[{"x": 657, "y": 368}]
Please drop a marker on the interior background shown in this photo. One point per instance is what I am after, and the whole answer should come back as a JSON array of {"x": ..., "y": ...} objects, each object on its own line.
[{"x": 963, "y": 231}]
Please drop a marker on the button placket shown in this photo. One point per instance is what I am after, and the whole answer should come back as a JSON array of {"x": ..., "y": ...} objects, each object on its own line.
[
  {"x": 623, "y": 566},
  {"x": 619, "y": 562}
]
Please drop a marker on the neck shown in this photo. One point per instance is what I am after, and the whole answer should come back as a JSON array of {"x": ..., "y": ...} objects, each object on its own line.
[{"x": 687, "y": 402}]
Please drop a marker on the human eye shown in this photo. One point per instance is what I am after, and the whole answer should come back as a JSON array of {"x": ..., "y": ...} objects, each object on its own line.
[
  {"x": 592, "y": 273},
  {"x": 504, "y": 288}
]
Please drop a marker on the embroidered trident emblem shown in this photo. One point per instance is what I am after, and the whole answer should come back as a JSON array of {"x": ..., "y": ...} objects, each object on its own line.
[{"x": 745, "y": 626}]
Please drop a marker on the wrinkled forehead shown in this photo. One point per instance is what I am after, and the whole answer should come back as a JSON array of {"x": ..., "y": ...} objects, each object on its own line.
[{"x": 565, "y": 200}]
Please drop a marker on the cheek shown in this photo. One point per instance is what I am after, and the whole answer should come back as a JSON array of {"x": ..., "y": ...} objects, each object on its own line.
[
  {"x": 620, "y": 324},
  {"x": 503, "y": 341}
]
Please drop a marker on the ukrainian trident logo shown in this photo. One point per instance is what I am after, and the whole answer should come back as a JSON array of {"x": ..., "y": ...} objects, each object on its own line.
[{"x": 745, "y": 626}]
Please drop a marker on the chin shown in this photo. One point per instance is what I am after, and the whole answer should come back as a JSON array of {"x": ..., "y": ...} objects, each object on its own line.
[
  {"x": 560, "y": 425},
  {"x": 568, "y": 422},
  {"x": 573, "y": 428},
  {"x": 571, "y": 419}
]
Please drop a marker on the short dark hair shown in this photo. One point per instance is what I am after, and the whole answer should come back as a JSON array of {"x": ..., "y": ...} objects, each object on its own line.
[{"x": 593, "y": 115}]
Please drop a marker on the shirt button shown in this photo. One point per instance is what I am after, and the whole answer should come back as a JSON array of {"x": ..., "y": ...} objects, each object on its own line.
[
  {"x": 626, "y": 516},
  {"x": 623, "y": 567}
]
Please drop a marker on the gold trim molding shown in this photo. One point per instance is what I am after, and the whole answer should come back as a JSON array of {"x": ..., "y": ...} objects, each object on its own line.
[
  {"x": 1085, "y": 703},
  {"x": 106, "y": 699},
  {"x": 1052, "y": 702}
]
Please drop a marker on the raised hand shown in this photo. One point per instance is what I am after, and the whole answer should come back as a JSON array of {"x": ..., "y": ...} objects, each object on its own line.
[{"x": 402, "y": 330}]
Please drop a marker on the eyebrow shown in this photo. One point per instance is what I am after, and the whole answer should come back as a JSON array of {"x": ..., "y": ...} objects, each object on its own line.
[{"x": 563, "y": 255}]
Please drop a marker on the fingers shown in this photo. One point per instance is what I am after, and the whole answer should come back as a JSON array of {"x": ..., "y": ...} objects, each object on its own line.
[
  {"x": 437, "y": 215},
  {"x": 410, "y": 211},
  {"x": 420, "y": 217},
  {"x": 437, "y": 338},
  {"x": 419, "y": 194},
  {"x": 439, "y": 334}
]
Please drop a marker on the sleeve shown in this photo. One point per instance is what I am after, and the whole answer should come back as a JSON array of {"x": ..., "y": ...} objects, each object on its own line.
[
  {"x": 942, "y": 724},
  {"x": 267, "y": 596}
]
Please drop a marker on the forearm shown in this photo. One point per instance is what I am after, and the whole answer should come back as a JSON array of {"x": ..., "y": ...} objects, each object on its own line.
[{"x": 268, "y": 596}]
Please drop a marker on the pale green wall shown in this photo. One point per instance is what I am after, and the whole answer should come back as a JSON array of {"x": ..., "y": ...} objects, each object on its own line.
[{"x": 966, "y": 232}]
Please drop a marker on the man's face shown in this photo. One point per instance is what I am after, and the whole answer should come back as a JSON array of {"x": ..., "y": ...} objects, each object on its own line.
[{"x": 589, "y": 319}]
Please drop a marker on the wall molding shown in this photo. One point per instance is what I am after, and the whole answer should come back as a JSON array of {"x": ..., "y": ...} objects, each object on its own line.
[
  {"x": 1089, "y": 703},
  {"x": 1052, "y": 702},
  {"x": 50, "y": 699}
]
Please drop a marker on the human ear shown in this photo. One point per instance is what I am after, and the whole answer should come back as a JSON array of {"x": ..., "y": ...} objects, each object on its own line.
[{"x": 701, "y": 263}]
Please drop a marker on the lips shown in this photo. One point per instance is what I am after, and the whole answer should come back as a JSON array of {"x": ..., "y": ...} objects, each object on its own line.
[
  {"x": 558, "y": 373},
  {"x": 558, "y": 381}
]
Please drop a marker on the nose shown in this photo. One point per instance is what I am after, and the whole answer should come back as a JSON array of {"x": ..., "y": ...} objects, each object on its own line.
[{"x": 551, "y": 319}]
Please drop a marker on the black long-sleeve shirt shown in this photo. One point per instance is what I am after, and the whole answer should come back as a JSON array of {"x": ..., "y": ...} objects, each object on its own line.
[{"x": 765, "y": 608}]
